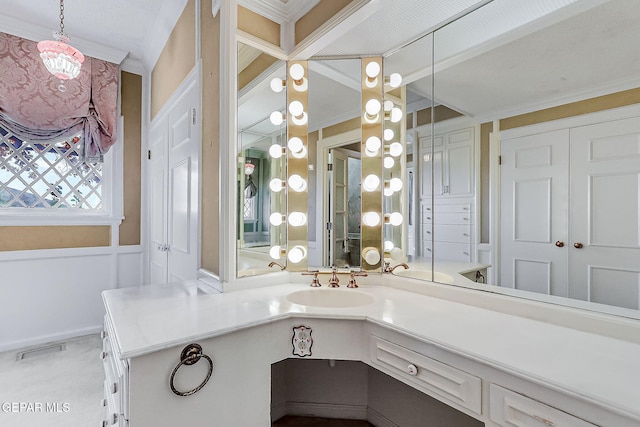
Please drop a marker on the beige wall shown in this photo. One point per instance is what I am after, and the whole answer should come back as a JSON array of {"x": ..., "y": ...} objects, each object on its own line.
[
  {"x": 317, "y": 16},
  {"x": 342, "y": 127},
  {"x": 254, "y": 69},
  {"x": 176, "y": 60},
  {"x": 259, "y": 26},
  {"x": 53, "y": 237},
  {"x": 210, "y": 42},
  {"x": 131, "y": 108}
]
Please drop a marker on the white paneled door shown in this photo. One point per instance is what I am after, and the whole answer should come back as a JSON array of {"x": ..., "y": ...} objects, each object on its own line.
[
  {"x": 338, "y": 205},
  {"x": 604, "y": 252},
  {"x": 534, "y": 199},
  {"x": 174, "y": 171}
]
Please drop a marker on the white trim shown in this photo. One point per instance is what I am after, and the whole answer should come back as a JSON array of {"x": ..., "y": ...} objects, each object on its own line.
[
  {"x": 133, "y": 66},
  {"x": 15, "y": 345},
  {"x": 215, "y": 7},
  {"x": 37, "y": 254},
  {"x": 328, "y": 410},
  {"x": 494, "y": 200},
  {"x": 278, "y": 11},
  {"x": 26, "y": 30},
  {"x": 379, "y": 420},
  {"x": 258, "y": 43}
]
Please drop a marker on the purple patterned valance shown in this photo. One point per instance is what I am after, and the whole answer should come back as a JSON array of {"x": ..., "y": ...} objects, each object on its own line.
[{"x": 32, "y": 107}]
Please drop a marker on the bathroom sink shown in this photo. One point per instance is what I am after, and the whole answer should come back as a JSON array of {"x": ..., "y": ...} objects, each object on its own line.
[
  {"x": 425, "y": 275},
  {"x": 330, "y": 298}
]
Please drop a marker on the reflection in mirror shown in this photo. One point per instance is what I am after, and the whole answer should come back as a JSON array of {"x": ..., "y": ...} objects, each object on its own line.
[
  {"x": 259, "y": 166},
  {"x": 334, "y": 152},
  {"x": 554, "y": 91}
]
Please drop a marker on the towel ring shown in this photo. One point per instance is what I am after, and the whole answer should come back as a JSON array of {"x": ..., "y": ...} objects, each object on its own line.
[{"x": 190, "y": 355}]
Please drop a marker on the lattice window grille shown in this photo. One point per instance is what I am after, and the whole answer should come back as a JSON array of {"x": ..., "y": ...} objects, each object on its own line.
[
  {"x": 250, "y": 206},
  {"x": 48, "y": 175}
]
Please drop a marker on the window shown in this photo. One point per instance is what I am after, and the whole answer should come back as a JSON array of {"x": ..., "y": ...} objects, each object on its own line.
[{"x": 48, "y": 176}]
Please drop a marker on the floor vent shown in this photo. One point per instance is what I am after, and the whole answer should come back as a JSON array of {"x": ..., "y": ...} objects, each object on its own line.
[{"x": 40, "y": 351}]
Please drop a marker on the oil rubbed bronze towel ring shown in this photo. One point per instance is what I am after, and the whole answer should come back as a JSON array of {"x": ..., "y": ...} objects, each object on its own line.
[{"x": 190, "y": 355}]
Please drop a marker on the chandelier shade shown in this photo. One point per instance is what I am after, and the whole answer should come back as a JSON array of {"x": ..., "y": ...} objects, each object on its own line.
[{"x": 61, "y": 59}]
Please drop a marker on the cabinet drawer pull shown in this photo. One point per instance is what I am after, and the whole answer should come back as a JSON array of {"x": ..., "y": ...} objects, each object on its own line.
[
  {"x": 103, "y": 355},
  {"x": 544, "y": 420},
  {"x": 103, "y": 334},
  {"x": 104, "y": 402},
  {"x": 114, "y": 388},
  {"x": 412, "y": 370},
  {"x": 115, "y": 419}
]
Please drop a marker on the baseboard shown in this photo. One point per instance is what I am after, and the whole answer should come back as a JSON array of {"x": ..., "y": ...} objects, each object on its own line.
[
  {"x": 278, "y": 411},
  {"x": 326, "y": 410},
  {"x": 31, "y": 342},
  {"x": 379, "y": 420}
]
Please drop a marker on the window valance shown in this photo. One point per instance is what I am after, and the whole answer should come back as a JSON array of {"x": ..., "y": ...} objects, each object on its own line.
[{"x": 33, "y": 108}]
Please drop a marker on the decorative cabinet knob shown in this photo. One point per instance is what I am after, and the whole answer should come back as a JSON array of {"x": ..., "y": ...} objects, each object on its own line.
[
  {"x": 412, "y": 370},
  {"x": 578, "y": 245},
  {"x": 559, "y": 243}
]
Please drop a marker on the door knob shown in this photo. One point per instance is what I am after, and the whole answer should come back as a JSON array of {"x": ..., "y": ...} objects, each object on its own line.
[
  {"x": 559, "y": 243},
  {"x": 578, "y": 245}
]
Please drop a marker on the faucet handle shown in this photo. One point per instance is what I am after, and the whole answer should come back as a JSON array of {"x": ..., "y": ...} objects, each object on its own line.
[
  {"x": 334, "y": 281},
  {"x": 352, "y": 280},
  {"x": 315, "y": 282}
]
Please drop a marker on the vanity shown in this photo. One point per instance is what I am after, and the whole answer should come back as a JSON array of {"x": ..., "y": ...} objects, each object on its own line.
[{"x": 497, "y": 368}]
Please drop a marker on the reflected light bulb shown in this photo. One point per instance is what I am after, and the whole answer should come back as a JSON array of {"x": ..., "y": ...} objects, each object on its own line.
[
  {"x": 388, "y": 245},
  {"x": 296, "y": 72},
  {"x": 297, "y": 183},
  {"x": 372, "y": 69},
  {"x": 371, "y": 219},
  {"x": 395, "y": 184},
  {"x": 275, "y": 219},
  {"x": 388, "y": 105},
  {"x": 275, "y": 252},
  {"x": 388, "y": 192},
  {"x": 396, "y": 114},
  {"x": 295, "y": 144},
  {"x": 395, "y": 149},
  {"x": 371, "y": 183},
  {"x": 372, "y": 107},
  {"x": 388, "y": 162},
  {"x": 296, "y": 108},
  {"x": 373, "y": 144},
  {"x": 371, "y": 256},
  {"x": 275, "y": 185},
  {"x": 396, "y": 254},
  {"x": 395, "y": 80},
  {"x": 297, "y": 254},
  {"x": 277, "y": 84},
  {"x": 388, "y": 134},
  {"x": 275, "y": 151},
  {"x": 297, "y": 219},
  {"x": 276, "y": 118},
  {"x": 395, "y": 218}
]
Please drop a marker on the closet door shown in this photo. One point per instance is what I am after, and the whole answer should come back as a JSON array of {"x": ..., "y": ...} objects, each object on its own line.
[
  {"x": 534, "y": 212},
  {"x": 605, "y": 217}
]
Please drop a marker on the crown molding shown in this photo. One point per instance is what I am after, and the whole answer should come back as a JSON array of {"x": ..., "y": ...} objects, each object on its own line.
[
  {"x": 278, "y": 11},
  {"x": 35, "y": 32},
  {"x": 215, "y": 7}
]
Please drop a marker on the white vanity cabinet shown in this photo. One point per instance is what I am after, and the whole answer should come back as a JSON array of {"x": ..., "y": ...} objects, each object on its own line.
[{"x": 116, "y": 384}]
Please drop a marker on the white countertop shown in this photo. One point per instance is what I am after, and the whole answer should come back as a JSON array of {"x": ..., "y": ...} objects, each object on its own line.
[{"x": 603, "y": 369}]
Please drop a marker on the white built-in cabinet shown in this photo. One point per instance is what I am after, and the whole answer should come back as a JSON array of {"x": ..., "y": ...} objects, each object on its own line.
[{"x": 448, "y": 173}]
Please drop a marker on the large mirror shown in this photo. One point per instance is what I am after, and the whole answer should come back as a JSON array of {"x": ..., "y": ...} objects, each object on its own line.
[
  {"x": 257, "y": 168},
  {"x": 527, "y": 174}
]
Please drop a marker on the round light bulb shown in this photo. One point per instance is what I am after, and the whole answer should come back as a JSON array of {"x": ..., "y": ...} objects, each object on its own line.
[
  {"x": 388, "y": 245},
  {"x": 275, "y": 151},
  {"x": 296, "y": 108},
  {"x": 395, "y": 184},
  {"x": 388, "y": 105},
  {"x": 276, "y": 85},
  {"x": 276, "y": 118},
  {"x": 372, "y": 107},
  {"x": 371, "y": 183},
  {"x": 396, "y": 114},
  {"x": 297, "y": 254},
  {"x": 371, "y": 219},
  {"x": 395, "y": 218},
  {"x": 395, "y": 80},
  {"x": 388, "y": 134},
  {"x": 275, "y": 185},
  {"x": 297, "y": 183},
  {"x": 388, "y": 192},
  {"x": 388, "y": 162},
  {"x": 275, "y": 219},
  {"x": 275, "y": 252},
  {"x": 373, "y": 144},
  {"x": 297, "y": 219},
  {"x": 371, "y": 255},
  {"x": 396, "y": 254},
  {"x": 300, "y": 120},
  {"x": 395, "y": 149},
  {"x": 295, "y": 144},
  {"x": 372, "y": 69},
  {"x": 296, "y": 71}
]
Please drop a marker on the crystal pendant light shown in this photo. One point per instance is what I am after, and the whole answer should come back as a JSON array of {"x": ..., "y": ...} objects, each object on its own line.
[{"x": 61, "y": 59}]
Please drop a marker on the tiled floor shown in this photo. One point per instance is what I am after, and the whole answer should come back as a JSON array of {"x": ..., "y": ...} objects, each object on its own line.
[{"x": 290, "y": 421}]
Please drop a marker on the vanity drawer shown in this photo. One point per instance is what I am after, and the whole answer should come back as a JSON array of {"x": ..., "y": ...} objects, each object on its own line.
[
  {"x": 447, "y": 218},
  {"x": 446, "y": 251},
  {"x": 507, "y": 408},
  {"x": 449, "y": 233},
  {"x": 426, "y": 374}
]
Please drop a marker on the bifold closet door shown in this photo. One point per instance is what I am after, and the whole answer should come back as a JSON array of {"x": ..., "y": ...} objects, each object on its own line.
[{"x": 604, "y": 251}]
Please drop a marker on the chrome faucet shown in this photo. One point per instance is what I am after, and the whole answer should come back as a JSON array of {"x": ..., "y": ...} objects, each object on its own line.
[
  {"x": 389, "y": 269},
  {"x": 272, "y": 263}
]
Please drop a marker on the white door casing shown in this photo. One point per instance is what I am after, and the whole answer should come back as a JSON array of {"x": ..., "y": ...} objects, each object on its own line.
[
  {"x": 338, "y": 203},
  {"x": 174, "y": 190},
  {"x": 534, "y": 199},
  {"x": 605, "y": 213}
]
